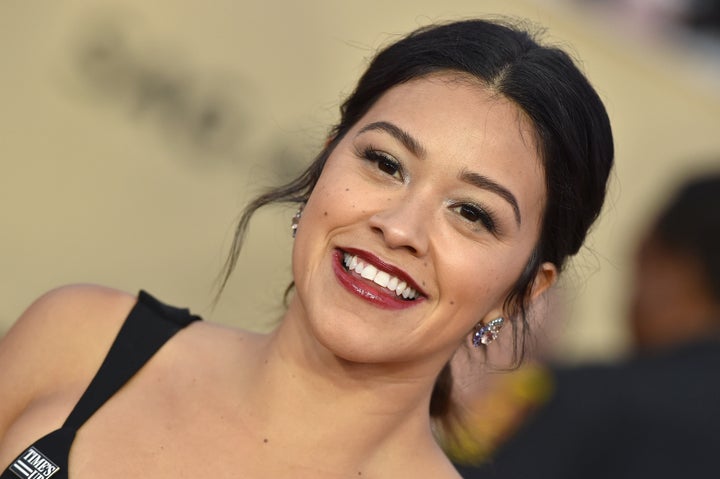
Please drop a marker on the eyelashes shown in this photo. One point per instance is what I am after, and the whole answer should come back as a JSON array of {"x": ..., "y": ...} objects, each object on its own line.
[
  {"x": 478, "y": 217},
  {"x": 385, "y": 162}
]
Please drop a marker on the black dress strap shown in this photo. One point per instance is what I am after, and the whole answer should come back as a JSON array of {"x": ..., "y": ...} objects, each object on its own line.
[{"x": 148, "y": 326}]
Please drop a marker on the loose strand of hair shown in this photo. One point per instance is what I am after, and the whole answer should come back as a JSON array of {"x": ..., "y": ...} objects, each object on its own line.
[{"x": 295, "y": 191}]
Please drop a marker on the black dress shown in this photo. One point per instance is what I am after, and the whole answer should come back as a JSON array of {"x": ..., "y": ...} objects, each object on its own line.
[{"x": 148, "y": 326}]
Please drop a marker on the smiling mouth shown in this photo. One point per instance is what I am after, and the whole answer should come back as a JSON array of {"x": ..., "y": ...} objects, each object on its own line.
[{"x": 390, "y": 283}]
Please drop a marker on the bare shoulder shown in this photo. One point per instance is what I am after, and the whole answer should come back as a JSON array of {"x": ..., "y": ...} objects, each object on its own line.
[
  {"x": 68, "y": 315},
  {"x": 58, "y": 341}
]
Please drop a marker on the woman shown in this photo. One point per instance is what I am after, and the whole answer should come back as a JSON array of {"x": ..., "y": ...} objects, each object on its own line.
[{"x": 467, "y": 166}]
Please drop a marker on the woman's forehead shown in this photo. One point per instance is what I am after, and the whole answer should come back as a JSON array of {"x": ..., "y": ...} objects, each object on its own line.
[{"x": 454, "y": 105}]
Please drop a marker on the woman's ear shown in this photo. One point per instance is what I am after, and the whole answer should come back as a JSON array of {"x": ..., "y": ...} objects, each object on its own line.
[{"x": 546, "y": 276}]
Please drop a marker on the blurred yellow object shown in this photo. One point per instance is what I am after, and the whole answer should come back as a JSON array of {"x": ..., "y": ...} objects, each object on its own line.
[{"x": 488, "y": 420}]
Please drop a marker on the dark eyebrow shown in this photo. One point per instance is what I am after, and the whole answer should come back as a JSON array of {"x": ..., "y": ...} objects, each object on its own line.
[
  {"x": 401, "y": 135},
  {"x": 486, "y": 183}
]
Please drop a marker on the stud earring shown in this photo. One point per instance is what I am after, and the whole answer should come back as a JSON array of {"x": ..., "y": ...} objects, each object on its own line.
[
  {"x": 296, "y": 219},
  {"x": 487, "y": 333}
]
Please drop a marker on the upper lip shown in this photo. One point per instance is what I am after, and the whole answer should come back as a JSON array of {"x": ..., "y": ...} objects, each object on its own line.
[{"x": 388, "y": 268}]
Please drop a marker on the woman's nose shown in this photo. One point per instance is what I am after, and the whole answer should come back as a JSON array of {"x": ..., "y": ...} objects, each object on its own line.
[{"x": 403, "y": 223}]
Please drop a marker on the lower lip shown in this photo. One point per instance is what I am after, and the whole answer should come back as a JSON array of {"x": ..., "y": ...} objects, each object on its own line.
[{"x": 367, "y": 291}]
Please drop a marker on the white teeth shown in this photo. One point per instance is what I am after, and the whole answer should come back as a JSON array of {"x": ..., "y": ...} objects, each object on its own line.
[
  {"x": 381, "y": 278},
  {"x": 369, "y": 272}
]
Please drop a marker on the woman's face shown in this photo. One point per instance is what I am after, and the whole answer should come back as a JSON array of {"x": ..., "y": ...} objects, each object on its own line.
[{"x": 423, "y": 218}]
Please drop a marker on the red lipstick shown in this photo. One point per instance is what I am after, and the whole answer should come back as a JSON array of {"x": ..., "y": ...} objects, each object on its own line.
[{"x": 370, "y": 291}]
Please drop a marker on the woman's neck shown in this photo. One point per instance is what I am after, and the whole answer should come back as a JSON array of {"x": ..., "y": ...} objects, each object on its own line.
[{"x": 310, "y": 403}]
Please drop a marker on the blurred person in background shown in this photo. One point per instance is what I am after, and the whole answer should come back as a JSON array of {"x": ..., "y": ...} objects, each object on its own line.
[{"x": 656, "y": 415}]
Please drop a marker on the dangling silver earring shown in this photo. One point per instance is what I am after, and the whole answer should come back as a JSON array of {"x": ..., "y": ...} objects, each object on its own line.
[
  {"x": 487, "y": 333},
  {"x": 296, "y": 219}
]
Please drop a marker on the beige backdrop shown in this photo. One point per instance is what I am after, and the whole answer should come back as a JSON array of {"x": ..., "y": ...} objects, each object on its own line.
[{"x": 131, "y": 132}]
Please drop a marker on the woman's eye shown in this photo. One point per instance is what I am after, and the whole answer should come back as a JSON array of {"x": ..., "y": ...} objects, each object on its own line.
[
  {"x": 385, "y": 163},
  {"x": 476, "y": 214}
]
